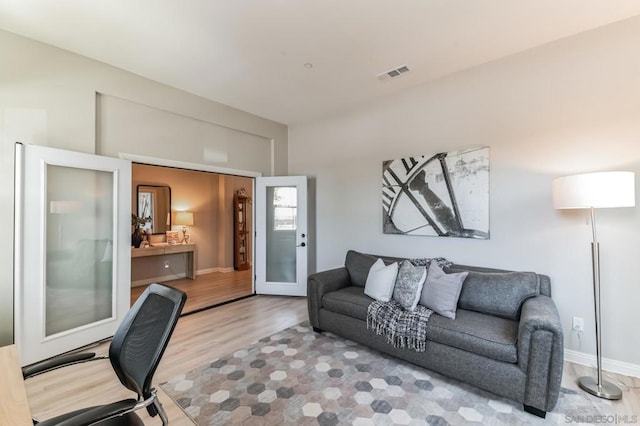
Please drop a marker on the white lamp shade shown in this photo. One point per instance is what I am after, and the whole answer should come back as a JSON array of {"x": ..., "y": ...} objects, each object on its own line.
[
  {"x": 597, "y": 190},
  {"x": 183, "y": 218}
]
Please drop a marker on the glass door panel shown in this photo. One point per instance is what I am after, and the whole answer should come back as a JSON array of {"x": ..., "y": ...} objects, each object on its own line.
[
  {"x": 79, "y": 258},
  {"x": 281, "y": 235},
  {"x": 72, "y": 263}
]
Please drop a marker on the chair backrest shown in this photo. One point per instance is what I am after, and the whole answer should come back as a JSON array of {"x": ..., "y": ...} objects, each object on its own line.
[{"x": 140, "y": 341}]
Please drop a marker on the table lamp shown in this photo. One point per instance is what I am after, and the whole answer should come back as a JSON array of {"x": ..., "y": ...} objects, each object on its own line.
[
  {"x": 185, "y": 219},
  {"x": 594, "y": 191}
]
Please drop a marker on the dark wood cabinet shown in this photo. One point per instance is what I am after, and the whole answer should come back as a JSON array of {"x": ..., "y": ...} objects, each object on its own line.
[{"x": 242, "y": 230}]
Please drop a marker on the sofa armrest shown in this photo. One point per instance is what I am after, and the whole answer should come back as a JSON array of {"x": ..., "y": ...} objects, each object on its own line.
[
  {"x": 541, "y": 351},
  {"x": 321, "y": 283}
]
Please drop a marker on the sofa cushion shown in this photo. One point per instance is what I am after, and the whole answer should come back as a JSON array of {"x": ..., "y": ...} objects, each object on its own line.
[
  {"x": 475, "y": 332},
  {"x": 485, "y": 335},
  {"x": 350, "y": 301},
  {"x": 497, "y": 293},
  {"x": 409, "y": 285},
  {"x": 359, "y": 264}
]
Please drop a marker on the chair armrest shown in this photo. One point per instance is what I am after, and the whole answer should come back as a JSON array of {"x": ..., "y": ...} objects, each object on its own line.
[
  {"x": 541, "y": 351},
  {"x": 55, "y": 363},
  {"x": 321, "y": 283},
  {"x": 91, "y": 415}
]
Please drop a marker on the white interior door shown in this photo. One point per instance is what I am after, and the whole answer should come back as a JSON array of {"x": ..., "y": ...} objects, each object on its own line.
[
  {"x": 72, "y": 257},
  {"x": 281, "y": 235}
]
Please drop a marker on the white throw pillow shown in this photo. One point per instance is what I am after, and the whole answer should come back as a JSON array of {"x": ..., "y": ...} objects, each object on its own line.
[{"x": 381, "y": 280}]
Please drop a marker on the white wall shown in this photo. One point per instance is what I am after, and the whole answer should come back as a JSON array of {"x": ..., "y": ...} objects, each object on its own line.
[
  {"x": 125, "y": 126},
  {"x": 48, "y": 97},
  {"x": 568, "y": 107}
]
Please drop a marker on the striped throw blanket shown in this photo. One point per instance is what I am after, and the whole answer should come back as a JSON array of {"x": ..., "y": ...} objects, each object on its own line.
[{"x": 402, "y": 328}]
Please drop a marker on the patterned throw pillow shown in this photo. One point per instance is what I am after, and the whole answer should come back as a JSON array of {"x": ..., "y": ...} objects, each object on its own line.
[
  {"x": 441, "y": 291},
  {"x": 381, "y": 280},
  {"x": 409, "y": 285}
]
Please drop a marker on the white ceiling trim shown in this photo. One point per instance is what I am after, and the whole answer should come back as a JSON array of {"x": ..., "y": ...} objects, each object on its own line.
[{"x": 155, "y": 161}]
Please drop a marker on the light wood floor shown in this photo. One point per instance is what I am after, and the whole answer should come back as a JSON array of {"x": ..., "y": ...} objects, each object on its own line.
[
  {"x": 208, "y": 289},
  {"x": 199, "y": 338},
  {"x": 205, "y": 336}
]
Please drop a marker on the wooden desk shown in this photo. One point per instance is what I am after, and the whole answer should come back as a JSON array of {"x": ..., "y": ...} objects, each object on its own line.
[
  {"x": 14, "y": 408},
  {"x": 188, "y": 249}
]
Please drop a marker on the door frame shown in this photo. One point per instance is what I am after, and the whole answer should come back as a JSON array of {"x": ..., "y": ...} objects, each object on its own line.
[
  {"x": 199, "y": 167},
  {"x": 155, "y": 161}
]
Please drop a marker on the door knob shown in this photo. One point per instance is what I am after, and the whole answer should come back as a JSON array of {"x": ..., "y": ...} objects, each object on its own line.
[{"x": 302, "y": 245}]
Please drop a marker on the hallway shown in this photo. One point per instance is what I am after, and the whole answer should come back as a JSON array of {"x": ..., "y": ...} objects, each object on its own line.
[{"x": 208, "y": 289}]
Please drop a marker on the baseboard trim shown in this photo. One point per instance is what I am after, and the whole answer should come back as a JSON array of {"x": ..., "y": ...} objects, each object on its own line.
[
  {"x": 226, "y": 302},
  {"x": 164, "y": 278},
  {"x": 608, "y": 364},
  {"x": 218, "y": 269}
]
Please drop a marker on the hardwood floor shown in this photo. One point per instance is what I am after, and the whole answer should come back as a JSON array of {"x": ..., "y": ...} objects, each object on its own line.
[
  {"x": 630, "y": 402},
  {"x": 203, "y": 337},
  {"x": 208, "y": 289},
  {"x": 199, "y": 338}
]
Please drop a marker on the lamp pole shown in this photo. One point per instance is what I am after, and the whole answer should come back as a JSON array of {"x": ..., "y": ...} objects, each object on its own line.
[{"x": 598, "y": 387}]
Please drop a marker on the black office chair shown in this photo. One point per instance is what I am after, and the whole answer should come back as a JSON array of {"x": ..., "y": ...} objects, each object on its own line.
[{"x": 135, "y": 352}]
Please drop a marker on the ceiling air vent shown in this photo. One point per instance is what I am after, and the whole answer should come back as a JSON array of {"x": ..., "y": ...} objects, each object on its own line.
[{"x": 394, "y": 73}]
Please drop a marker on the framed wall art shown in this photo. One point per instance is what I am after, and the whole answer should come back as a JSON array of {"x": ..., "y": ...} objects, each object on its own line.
[{"x": 445, "y": 195}]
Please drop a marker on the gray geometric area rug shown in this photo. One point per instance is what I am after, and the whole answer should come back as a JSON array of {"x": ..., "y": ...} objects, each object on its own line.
[{"x": 299, "y": 377}]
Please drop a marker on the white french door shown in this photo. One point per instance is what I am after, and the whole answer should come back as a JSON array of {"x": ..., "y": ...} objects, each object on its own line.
[
  {"x": 281, "y": 235},
  {"x": 72, "y": 258}
]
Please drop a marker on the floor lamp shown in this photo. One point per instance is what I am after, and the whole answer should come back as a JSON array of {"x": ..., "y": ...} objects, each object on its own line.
[{"x": 593, "y": 191}]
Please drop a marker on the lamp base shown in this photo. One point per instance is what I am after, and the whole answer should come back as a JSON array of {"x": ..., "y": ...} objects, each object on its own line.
[{"x": 606, "y": 390}]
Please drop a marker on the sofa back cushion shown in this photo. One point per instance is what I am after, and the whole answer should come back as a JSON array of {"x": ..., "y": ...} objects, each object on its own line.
[
  {"x": 358, "y": 265},
  {"x": 497, "y": 293},
  {"x": 486, "y": 290}
]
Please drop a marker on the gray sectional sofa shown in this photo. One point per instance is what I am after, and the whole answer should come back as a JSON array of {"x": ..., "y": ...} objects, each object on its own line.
[{"x": 506, "y": 337}]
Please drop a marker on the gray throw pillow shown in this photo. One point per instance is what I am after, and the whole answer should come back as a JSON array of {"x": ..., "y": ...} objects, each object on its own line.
[
  {"x": 409, "y": 285},
  {"x": 441, "y": 291}
]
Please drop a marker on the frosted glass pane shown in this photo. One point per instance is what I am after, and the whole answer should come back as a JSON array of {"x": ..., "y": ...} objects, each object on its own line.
[
  {"x": 282, "y": 208},
  {"x": 79, "y": 248}
]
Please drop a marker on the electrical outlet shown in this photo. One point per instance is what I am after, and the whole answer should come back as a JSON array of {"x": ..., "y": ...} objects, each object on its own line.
[
  {"x": 166, "y": 264},
  {"x": 578, "y": 324}
]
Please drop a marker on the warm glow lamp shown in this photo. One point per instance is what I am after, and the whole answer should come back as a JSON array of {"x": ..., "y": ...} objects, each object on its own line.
[
  {"x": 185, "y": 219},
  {"x": 594, "y": 191}
]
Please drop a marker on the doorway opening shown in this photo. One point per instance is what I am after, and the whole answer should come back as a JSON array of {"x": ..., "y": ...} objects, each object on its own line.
[{"x": 208, "y": 255}]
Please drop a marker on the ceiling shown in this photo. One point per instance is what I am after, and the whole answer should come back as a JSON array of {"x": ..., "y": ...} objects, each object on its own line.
[{"x": 251, "y": 54}]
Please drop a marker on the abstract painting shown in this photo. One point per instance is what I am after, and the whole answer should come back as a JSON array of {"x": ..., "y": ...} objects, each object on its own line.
[{"x": 445, "y": 195}]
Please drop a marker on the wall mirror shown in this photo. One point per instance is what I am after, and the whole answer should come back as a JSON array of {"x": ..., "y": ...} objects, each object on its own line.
[{"x": 154, "y": 201}]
